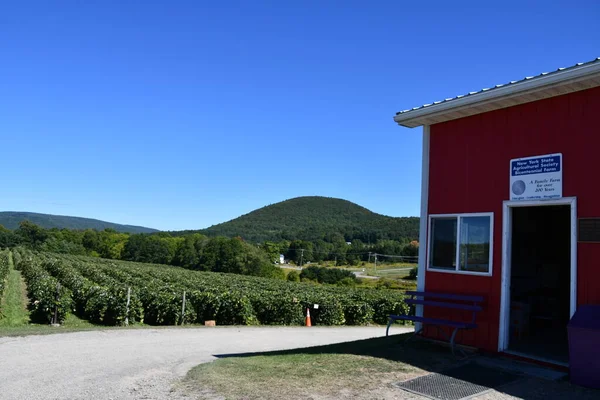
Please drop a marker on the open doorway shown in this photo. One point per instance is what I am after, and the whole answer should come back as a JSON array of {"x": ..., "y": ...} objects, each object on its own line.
[{"x": 540, "y": 281}]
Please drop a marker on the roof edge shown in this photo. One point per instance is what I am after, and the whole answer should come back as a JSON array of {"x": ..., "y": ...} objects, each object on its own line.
[{"x": 410, "y": 118}]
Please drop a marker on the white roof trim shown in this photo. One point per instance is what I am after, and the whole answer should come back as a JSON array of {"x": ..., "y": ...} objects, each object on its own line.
[{"x": 440, "y": 111}]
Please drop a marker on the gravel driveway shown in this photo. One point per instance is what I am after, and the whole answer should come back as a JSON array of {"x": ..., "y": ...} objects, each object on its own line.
[{"x": 138, "y": 364}]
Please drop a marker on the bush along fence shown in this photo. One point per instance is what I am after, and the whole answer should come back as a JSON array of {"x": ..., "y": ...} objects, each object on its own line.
[{"x": 112, "y": 292}]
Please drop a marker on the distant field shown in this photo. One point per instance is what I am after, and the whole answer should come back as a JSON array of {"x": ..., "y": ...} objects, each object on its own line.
[
  {"x": 396, "y": 271},
  {"x": 399, "y": 273},
  {"x": 393, "y": 271}
]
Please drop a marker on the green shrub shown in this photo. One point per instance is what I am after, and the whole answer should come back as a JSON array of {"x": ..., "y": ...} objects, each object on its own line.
[
  {"x": 3, "y": 272},
  {"x": 206, "y": 305},
  {"x": 388, "y": 306},
  {"x": 274, "y": 309},
  {"x": 273, "y": 272},
  {"x": 348, "y": 282},
  {"x": 235, "y": 309},
  {"x": 326, "y": 275},
  {"x": 293, "y": 276},
  {"x": 162, "y": 306},
  {"x": 46, "y": 294},
  {"x": 412, "y": 274},
  {"x": 384, "y": 283},
  {"x": 329, "y": 313},
  {"x": 358, "y": 313},
  {"x": 102, "y": 301}
]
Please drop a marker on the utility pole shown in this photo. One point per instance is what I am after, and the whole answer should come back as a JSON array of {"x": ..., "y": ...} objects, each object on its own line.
[
  {"x": 369, "y": 262},
  {"x": 375, "y": 262},
  {"x": 301, "y": 256}
]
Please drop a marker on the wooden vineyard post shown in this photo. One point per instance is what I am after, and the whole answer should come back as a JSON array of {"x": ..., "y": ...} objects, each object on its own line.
[
  {"x": 183, "y": 309},
  {"x": 127, "y": 307}
]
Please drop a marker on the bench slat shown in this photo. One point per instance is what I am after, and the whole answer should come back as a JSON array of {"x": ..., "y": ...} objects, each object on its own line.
[
  {"x": 434, "y": 321},
  {"x": 447, "y": 296},
  {"x": 466, "y": 307}
]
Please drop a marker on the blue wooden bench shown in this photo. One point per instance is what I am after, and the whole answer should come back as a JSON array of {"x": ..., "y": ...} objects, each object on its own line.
[{"x": 441, "y": 300}]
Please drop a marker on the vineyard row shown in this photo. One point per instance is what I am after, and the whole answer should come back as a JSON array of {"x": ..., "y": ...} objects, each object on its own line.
[{"x": 118, "y": 292}]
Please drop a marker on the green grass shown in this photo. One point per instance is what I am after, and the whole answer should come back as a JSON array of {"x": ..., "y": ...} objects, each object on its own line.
[
  {"x": 354, "y": 369},
  {"x": 75, "y": 324},
  {"x": 380, "y": 266},
  {"x": 13, "y": 306},
  {"x": 395, "y": 265},
  {"x": 359, "y": 370},
  {"x": 391, "y": 270},
  {"x": 286, "y": 271},
  {"x": 390, "y": 273},
  {"x": 388, "y": 283},
  {"x": 71, "y": 324}
]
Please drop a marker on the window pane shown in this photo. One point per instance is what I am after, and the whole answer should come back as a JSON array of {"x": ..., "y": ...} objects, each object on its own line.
[
  {"x": 475, "y": 244},
  {"x": 443, "y": 243}
]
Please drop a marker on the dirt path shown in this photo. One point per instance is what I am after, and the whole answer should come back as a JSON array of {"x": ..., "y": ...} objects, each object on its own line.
[{"x": 138, "y": 364}]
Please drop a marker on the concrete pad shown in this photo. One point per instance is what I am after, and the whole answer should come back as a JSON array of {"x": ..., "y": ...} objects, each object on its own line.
[{"x": 523, "y": 368}]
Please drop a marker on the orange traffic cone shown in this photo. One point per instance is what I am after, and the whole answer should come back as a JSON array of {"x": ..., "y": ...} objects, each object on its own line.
[{"x": 307, "y": 323}]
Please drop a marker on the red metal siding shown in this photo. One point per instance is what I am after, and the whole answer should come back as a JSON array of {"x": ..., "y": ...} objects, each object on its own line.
[{"x": 469, "y": 172}]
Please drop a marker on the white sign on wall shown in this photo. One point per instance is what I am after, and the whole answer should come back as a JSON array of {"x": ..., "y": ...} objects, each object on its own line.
[{"x": 536, "y": 178}]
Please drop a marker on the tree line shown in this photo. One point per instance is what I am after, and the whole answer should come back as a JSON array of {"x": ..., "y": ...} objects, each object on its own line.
[
  {"x": 193, "y": 251},
  {"x": 197, "y": 251},
  {"x": 339, "y": 251}
]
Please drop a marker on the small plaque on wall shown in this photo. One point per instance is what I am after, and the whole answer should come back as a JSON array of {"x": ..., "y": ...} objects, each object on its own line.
[{"x": 589, "y": 230}]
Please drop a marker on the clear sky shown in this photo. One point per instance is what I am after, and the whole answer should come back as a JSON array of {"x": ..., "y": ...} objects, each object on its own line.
[{"x": 183, "y": 114}]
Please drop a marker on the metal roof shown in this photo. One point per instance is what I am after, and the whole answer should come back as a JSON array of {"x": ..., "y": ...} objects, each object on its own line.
[{"x": 579, "y": 76}]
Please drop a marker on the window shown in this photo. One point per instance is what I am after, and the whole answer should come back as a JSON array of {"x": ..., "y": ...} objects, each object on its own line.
[{"x": 461, "y": 243}]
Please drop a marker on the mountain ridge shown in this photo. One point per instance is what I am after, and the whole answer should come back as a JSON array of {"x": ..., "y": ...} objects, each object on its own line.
[
  {"x": 12, "y": 219},
  {"x": 299, "y": 218},
  {"x": 313, "y": 218}
]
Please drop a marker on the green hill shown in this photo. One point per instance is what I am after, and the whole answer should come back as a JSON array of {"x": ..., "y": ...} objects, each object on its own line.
[
  {"x": 311, "y": 218},
  {"x": 11, "y": 220}
]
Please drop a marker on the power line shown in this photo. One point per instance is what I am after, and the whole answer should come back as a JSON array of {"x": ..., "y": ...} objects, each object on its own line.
[{"x": 393, "y": 256}]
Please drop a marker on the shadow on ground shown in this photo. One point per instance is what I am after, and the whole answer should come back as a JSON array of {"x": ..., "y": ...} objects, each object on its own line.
[
  {"x": 435, "y": 357},
  {"x": 400, "y": 348}
]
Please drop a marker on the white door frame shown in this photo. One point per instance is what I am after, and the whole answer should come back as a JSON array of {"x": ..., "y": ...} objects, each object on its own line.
[
  {"x": 423, "y": 221},
  {"x": 506, "y": 259}
]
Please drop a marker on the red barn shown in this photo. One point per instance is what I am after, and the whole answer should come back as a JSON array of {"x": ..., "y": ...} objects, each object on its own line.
[{"x": 510, "y": 206}]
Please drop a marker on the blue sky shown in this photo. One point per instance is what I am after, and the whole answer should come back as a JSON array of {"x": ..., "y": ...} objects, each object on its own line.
[{"x": 183, "y": 114}]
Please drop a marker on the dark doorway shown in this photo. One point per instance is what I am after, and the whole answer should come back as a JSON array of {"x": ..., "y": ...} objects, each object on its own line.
[{"x": 540, "y": 285}]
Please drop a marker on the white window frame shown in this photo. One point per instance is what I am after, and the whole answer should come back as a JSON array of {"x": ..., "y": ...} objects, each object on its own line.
[{"x": 458, "y": 218}]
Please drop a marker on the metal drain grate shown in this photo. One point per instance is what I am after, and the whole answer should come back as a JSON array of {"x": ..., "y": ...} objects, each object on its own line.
[{"x": 458, "y": 383}]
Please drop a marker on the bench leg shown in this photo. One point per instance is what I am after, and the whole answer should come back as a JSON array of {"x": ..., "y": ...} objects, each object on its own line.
[
  {"x": 452, "y": 344},
  {"x": 387, "y": 330},
  {"x": 415, "y": 334},
  {"x": 452, "y": 341}
]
